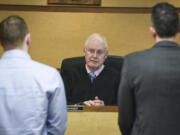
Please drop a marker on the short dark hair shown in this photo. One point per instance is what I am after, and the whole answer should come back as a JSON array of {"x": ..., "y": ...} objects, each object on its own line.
[
  {"x": 13, "y": 30},
  {"x": 165, "y": 19}
]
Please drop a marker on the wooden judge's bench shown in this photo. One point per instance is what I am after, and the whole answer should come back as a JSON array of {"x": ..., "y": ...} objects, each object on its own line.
[{"x": 92, "y": 120}]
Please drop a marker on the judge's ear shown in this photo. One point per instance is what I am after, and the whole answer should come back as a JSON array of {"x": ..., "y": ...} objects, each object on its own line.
[
  {"x": 153, "y": 32},
  {"x": 84, "y": 50},
  {"x": 106, "y": 55}
]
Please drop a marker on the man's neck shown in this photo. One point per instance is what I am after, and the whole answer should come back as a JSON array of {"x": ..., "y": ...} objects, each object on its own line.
[
  {"x": 11, "y": 47},
  {"x": 90, "y": 69},
  {"x": 172, "y": 39},
  {"x": 97, "y": 71}
]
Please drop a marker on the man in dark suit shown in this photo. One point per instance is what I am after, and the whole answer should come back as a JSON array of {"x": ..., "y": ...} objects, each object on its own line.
[
  {"x": 149, "y": 94},
  {"x": 98, "y": 89}
]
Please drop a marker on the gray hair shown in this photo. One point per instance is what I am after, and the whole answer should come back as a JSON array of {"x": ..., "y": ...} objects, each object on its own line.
[{"x": 96, "y": 36}]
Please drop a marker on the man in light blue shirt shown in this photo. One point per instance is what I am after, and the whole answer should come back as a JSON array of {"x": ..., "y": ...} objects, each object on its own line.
[{"x": 32, "y": 97}]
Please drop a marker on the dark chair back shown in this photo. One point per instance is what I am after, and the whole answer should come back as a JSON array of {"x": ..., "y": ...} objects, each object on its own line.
[{"x": 69, "y": 64}]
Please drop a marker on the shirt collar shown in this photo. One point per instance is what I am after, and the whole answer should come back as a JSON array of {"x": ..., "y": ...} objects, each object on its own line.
[
  {"x": 15, "y": 53},
  {"x": 97, "y": 72}
]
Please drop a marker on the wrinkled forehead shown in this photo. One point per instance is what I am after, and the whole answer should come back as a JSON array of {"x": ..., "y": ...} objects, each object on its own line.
[{"x": 96, "y": 44}]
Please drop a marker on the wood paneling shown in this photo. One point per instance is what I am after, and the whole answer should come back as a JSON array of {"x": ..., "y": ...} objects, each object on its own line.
[
  {"x": 104, "y": 3},
  {"x": 88, "y": 9},
  {"x": 76, "y": 2},
  {"x": 101, "y": 109},
  {"x": 59, "y": 32},
  {"x": 75, "y": 9},
  {"x": 93, "y": 123},
  {"x": 136, "y": 3},
  {"x": 59, "y": 35},
  {"x": 24, "y": 2}
]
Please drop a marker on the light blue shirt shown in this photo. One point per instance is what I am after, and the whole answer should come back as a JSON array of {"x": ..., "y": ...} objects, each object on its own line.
[{"x": 32, "y": 97}]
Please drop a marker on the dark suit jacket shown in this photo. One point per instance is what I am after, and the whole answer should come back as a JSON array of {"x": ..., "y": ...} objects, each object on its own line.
[
  {"x": 149, "y": 94},
  {"x": 79, "y": 87}
]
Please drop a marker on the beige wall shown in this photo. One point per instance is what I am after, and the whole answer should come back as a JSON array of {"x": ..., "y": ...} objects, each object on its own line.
[{"x": 58, "y": 35}]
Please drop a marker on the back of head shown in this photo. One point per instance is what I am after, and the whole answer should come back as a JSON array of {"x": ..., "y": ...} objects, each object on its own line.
[
  {"x": 165, "y": 20},
  {"x": 13, "y": 31}
]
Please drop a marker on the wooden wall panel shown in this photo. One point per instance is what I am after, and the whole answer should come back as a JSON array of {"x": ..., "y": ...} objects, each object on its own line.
[
  {"x": 93, "y": 123},
  {"x": 136, "y": 3},
  {"x": 24, "y": 2},
  {"x": 76, "y": 2},
  {"x": 60, "y": 34},
  {"x": 105, "y": 3},
  {"x": 57, "y": 35}
]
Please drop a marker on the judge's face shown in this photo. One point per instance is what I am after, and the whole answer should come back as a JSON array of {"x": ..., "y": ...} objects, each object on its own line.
[{"x": 95, "y": 53}]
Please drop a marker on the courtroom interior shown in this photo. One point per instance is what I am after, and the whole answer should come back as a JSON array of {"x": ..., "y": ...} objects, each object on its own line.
[{"x": 59, "y": 31}]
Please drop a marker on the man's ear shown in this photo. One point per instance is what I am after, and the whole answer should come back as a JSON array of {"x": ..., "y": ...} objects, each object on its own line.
[
  {"x": 84, "y": 50},
  {"x": 28, "y": 39},
  {"x": 1, "y": 44},
  {"x": 153, "y": 32}
]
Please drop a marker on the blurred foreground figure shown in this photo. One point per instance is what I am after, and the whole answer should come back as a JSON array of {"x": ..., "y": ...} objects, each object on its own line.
[
  {"x": 149, "y": 94},
  {"x": 32, "y": 97}
]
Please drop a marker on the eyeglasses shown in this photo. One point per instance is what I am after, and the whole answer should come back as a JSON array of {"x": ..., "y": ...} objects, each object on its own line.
[{"x": 97, "y": 52}]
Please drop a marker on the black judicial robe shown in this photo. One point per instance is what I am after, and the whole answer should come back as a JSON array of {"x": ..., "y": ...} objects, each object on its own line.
[{"x": 79, "y": 87}]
